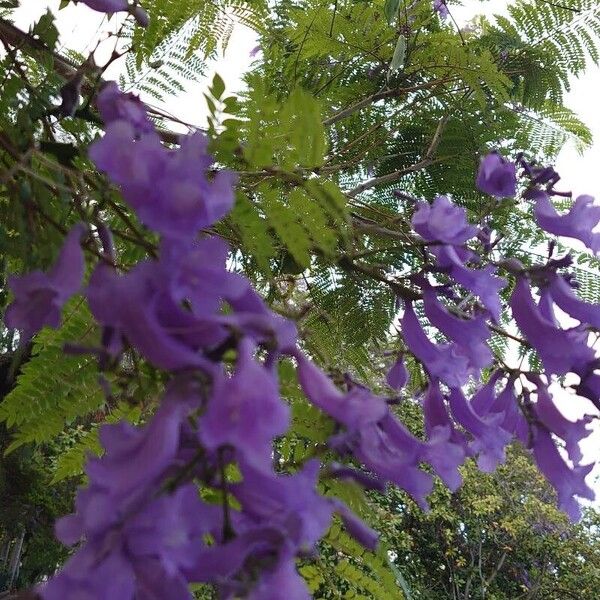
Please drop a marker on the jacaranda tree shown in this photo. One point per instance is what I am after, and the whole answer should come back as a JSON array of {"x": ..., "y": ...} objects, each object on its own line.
[{"x": 222, "y": 324}]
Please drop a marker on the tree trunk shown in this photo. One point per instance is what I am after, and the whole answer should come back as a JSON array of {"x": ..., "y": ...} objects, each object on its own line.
[{"x": 15, "y": 561}]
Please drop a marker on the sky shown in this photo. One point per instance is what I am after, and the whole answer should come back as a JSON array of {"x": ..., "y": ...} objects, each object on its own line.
[{"x": 81, "y": 29}]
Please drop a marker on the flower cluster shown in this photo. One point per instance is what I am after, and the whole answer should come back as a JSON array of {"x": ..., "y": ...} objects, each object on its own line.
[
  {"x": 146, "y": 528},
  {"x": 197, "y": 495}
]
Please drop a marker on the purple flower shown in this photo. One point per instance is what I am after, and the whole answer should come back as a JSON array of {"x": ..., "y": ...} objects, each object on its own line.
[
  {"x": 481, "y": 282},
  {"x": 144, "y": 555},
  {"x": 502, "y": 408},
  {"x": 134, "y": 465},
  {"x": 168, "y": 530},
  {"x": 578, "y": 223},
  {"x": 198, "y": 274},
  {"x": 439, "y": 6},
  {"x": 356, "y": 527},
  {"x": 548, "y": 414},
  {"x": 253, "y": 318},
  {"x": 568, "y": 482},
  {"x": 469, "y": 335},
  {"x": 497, "y": 177},
  {"x": 280, "y": 517},
  {"x": 112, "y": 6},
  {"x": 289, "y": 503},
  {"x": 484, "y": 399},
  {"x": 513, "y": 420},
  {"x": 561, "y": 350},
  {"x": 141, "y": 307},
  {"x": 114, "y": 105},
  {"x": 397, "y": 376},
  {"x": 140, "y": 15},
  {"x": 378, "y": 440},
  {"x": 168, "y": 189},
  {"x": 40, "y": 297},
  {"x": 438, "y": 419},
  {"x": 440, "y": 451},
  {"x": 107, "y": 6},
  {"x": 564, "y": 297},
  {"x": 139, "y": 540},
  {"x": 489, "y": 439},
  {"x": 443, "y": 361},
  {"x": 361, "y": 412},
  {"x": 442, "y": 221},
  {"x": 245, "y": 411},
  {"x": 87, "y": 575},
  {"x": 357, "y": 408}
]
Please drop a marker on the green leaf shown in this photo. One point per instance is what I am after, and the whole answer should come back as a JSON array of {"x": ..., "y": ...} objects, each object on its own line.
[
  {"x": 391, "y": 10},
  {"x": 254, "y": 232},
  {"x": 71, "y": 462},
  {"x": 45, "y": 30},
  {"x": 53, "y": 388},
  {"x": 218, "y": 87},
  {"x": 286, "y": 224},
  {"x": 398, "y": 57}
]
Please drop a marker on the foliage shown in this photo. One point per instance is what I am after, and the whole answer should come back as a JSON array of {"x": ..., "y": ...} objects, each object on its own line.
[{"x": 500, "y": 537}]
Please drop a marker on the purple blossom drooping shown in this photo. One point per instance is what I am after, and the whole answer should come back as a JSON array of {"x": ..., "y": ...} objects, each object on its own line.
[
  {"x": 139, "y": 307},
  {"x": 169, "y": 189},
  {"x": 245, "y": 411},
  {"x": 568, "y": 482},
  {"x": 484, "y": 283},
  {"x": 146, "y": 555},
  {"x": 501, "y": 408},
  {"x": 469, "y": 335},
  {"x": 375, "y": 437},
  {"x": 550, "y": 416},
  {"x": 439, "y": 6},
  {"x": 39, "y": 297},
  {"x": 113, "y": 6},
  {"x": 443, "y": 361},
  {"x": 578, "y": 223},
  {"x": 114, "y": 105},
  {"x": 397, "y": 376},
  {"x": 497, "y": 177},
  {"x": 135, "y": 542},
  {"x": 437, "y": 417},
  {"x": 107, "y": 6},
  {"x": 489, "y": 440},
  {"x": 443, "y": 221},
  {"x": 566, "y": 299},
  {"x": 561, "y": 350}
]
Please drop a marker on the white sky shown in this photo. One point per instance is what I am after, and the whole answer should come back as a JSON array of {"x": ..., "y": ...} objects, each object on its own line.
[{"x": 81, "y": 28}]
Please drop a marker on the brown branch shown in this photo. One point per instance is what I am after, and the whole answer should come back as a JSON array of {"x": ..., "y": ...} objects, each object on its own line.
[
  {"x": 66, "y": 69},
  {"x": 388, "y": 178},
  {"x": 427, "y": 161},
  {"x": 350, "y": 110},
  {"x": 563, "y": 6},
  {"x": 496, "y": 570}
]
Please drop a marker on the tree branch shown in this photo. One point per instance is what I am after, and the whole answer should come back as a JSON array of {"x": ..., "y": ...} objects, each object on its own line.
[
  {"x": 66, "y": 69},
  {"x": 346, "y": 112},
  {"x": 427, "y": 161}
]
